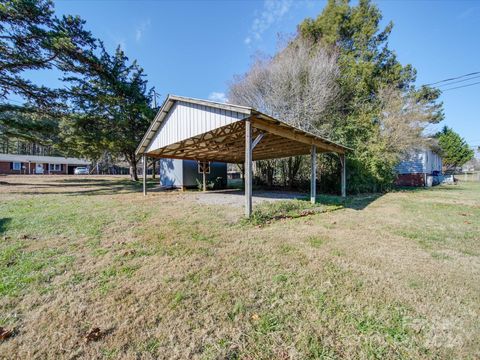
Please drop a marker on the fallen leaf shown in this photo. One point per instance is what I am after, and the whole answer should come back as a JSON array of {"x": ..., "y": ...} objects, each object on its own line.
[
  {"x": 307, "y": 212},
  {"x": 255, "y": 317},
  {"x": 5, "y": 334},
  {"x": 94, "y": 335},
  {"x": 129, "y": 252}
]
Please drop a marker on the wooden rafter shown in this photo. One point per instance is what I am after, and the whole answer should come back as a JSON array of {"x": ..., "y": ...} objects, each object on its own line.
[
  {"x": 227, "y": 143},
  {"x": 286, "y": 131}
]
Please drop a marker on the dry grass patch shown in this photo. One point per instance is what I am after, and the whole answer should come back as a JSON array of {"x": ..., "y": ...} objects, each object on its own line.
[{"x": 163, "y": 277}]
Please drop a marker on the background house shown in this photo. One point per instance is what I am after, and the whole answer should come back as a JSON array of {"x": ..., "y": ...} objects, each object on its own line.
[
  {"x": 414, "y": 169},
  {"x": 34, "y": 164},
  {"x": 175, "y": 173}
]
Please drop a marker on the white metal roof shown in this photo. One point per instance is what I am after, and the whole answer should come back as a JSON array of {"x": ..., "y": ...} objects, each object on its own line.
[
  {"x": 43, "y": 159},
  {"x": 167, "y": 105}
]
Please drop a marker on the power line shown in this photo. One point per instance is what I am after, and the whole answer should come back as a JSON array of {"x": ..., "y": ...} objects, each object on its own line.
[
  {"x": 459, "y": 81},
  {"x": 453, "y": 78},
  {"x": 462, "y": 86}
]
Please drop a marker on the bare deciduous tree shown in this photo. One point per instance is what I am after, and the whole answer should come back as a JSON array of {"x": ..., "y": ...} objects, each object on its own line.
[
  {"x": 403, "y": 121},
  {"x": 297, "y": 86}
]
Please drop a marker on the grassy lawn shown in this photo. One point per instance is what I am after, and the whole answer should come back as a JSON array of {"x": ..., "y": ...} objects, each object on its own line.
[{"x": 162, "y": 276}]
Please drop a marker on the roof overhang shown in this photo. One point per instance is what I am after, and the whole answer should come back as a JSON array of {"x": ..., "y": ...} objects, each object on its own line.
[
  {"x": 42, "y": 159},
  {"x": 167, "y": 105},
  {"x": 227, "y": 143}
]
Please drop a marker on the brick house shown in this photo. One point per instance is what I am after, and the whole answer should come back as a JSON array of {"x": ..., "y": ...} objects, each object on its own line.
[{"x": 34, "y": 164}]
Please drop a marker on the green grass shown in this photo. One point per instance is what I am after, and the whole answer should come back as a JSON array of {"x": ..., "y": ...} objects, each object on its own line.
[
  {"x": 316, "y": 241},
  {"x": 21, "y": 269},
  {"x": 45, "y": 216},
  {"x": 439, "y": 220},
  {"x": 383, "y": 276},
  {"x": 270, "y": 211}
]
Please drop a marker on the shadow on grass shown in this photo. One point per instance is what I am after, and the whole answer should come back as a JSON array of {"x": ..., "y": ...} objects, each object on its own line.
[
  {"x": 100, "y": 187},
  {"x": 3, "y": 224},
  {"x": 356, "y": 202},
  {"x": 360, "y": 202},
  {"x": 412, "y": 189}
]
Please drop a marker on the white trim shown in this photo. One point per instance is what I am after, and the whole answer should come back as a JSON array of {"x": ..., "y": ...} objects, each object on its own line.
[
  {"x": 17, "y": 166},
  {"x": 55, "y": 167},
  {"x": 168, "y": 104}
]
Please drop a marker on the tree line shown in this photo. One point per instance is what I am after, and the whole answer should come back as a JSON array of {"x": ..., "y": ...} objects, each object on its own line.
[
  {"x": 104, "y": 104},
  {"x": 336, "y": 77}
]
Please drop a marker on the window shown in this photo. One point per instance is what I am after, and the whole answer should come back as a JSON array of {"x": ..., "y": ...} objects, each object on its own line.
[
  {"x": 16, "y": 166},
  {"x": 55, "y": 167}
]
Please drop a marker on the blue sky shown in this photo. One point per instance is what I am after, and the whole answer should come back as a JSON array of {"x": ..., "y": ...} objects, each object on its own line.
[{"x": 194, "y": 48}]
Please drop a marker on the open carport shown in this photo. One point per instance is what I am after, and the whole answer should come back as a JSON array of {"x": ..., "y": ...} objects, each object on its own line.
[{"x": 193, "y": 129}]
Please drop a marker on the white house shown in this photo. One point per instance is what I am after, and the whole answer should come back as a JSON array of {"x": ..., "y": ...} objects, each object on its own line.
[{"x": 416, "y": 166}]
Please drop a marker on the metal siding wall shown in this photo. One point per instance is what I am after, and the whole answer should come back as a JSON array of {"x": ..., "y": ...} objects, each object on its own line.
[
  {"x": 413, "y": 163},
  {"x": 420, "y": 161},
  {"x": 427, "y": 162},
  {"x": 171, "y": 173},
  {"x": 434, "y": 162},
  {"x": 186, "y": 120}
]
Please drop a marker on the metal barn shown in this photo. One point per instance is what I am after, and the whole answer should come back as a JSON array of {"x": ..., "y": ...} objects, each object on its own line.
[{"x": 201, "y": 130}]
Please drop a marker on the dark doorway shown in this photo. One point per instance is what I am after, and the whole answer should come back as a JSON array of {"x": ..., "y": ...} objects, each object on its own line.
[{"x": 71, "y": 169}]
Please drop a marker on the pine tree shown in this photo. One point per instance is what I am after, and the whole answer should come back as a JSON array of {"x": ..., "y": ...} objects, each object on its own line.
[
  {"x": 455, "y": 150},
  {"x": 111, "y": 109},
  {"x": 367, "y": 67},
  {"x": 33, "y": 38}
]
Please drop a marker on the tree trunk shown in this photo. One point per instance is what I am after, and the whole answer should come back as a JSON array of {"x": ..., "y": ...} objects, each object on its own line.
[
  {"x": 293, "y": 168},
  {"x": 242, "y": 171},
  {"x": 133, "y": 169},
  {"x": 291, "y": 175},
  {"x": 270, "y": 171},
  {"x": 270, "y": 177}
]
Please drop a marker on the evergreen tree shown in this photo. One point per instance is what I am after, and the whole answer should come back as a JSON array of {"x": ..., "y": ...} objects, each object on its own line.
[
  {"x": 111, "y": 109},
  {"x": 105, "y": 109},
  {"x": 33, "y": 38},
  {"x": 367, "y": 66},
  {"x": 455, "y": 150}
]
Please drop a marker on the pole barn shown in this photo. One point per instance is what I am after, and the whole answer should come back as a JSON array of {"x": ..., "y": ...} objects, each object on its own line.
[{"x": 193, "y": 129}]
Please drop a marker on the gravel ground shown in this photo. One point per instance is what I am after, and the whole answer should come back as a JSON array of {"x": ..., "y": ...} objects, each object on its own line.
[{"x": 236, "y": 197}]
